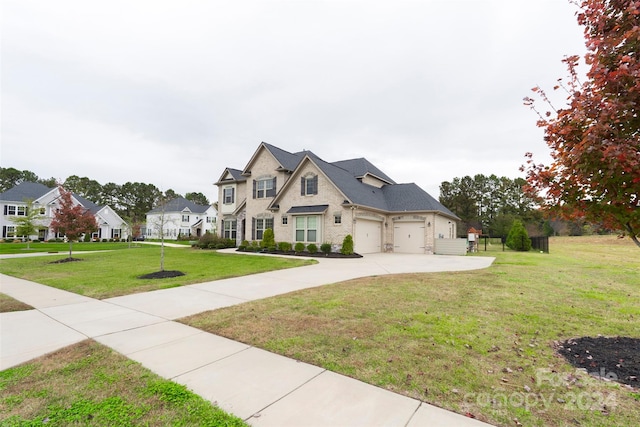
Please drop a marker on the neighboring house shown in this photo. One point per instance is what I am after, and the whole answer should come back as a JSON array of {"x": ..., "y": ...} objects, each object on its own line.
[
  {"x": 14, "y": 203},
  {"x": 305, "y": 199},
  {"x": 180, "y": 217}
]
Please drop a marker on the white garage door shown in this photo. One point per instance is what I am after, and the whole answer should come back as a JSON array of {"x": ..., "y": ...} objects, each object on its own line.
[
  {"x": 408, "y": 237},
  {"x": 368, "y": 237}
]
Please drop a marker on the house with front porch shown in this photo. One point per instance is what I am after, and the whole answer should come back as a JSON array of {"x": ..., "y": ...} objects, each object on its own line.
[
  {"x": 180, "y": 218},
  {"x": 304, "y": 198},
  {"x": 15, "y": 203}
]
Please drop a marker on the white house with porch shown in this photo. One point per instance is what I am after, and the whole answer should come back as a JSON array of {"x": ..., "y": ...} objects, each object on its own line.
[{"x": 180, "y": 218}]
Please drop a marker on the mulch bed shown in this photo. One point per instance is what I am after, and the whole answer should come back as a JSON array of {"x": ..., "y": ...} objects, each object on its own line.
[
  {"x": 62, "y": 261},
  {"x": 309, "y": 255},
  {"x": 166, "y": 274},
  {"x": 615, "y": 359}
]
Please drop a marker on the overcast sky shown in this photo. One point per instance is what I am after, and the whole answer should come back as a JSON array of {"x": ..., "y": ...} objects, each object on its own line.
[{"x": 172, "y": 92}]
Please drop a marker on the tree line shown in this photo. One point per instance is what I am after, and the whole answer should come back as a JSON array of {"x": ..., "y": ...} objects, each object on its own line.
[
  {"x": 490, "y": 203},
  {"x": 130, "y": 200}
]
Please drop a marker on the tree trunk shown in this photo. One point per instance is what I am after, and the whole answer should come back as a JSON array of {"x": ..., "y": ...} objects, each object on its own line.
[
  {"x": 162, "y": 254},
  {"x": 70, "y": 248},
  {"x": 632, "y": 234}
]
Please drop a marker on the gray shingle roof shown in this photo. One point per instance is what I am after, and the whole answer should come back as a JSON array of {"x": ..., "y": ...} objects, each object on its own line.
[
  {"x": 308, "y": 209},
  {"x": 25, "y": 191},
  {"x": 179, "y": 204},
  {"x": 287, "y": 160},
  {"x": 360, "y": 167}
]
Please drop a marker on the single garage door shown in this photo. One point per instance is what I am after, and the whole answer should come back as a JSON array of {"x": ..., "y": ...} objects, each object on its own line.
[
  {"x": 368, "y": 237},
  {"x": 408, "y": 237}
]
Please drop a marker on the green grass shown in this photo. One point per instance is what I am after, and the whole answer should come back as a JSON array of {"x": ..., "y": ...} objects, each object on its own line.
[
  {"x": 479, "y": 342},
  {"x": 109, "y": 274},
  {"x": 88, "y": 384},
  {"x": 34, "y": 247}
]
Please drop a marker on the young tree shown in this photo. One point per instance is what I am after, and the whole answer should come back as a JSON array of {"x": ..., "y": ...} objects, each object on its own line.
[
  {"x": 595, "y": 141},
  {"x": 71, "y": 219},
  {"x": 27, "y": 225},
  {"x": 518, "y": 238}
]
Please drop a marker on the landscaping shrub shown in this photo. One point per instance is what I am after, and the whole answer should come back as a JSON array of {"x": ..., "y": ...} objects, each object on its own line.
[
  {"x": 255, "y": 246},
  {"x": 518, "y": 238},
  {"x": 268, "y": 239},
  {"x": 213, "y": 241},
  {"x": 284, "y": 246},
  {"x": 312, "y": 248},
  {"x": 347, "y": 245},
  {"x": 299, "y": 247},
  {"x": 325, "y": 248}
]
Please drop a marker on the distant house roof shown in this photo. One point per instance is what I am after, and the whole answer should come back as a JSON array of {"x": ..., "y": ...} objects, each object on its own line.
[
  {"x": 25, "y": 191},
  {"x": 180, "y": 204}
]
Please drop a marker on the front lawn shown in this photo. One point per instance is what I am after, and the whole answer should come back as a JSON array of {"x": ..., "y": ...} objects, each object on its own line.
[
  {"x": 481, "y": 343},
  {"x": 34, "y": 247},
  {"x": 89, "y": 384},
  {"x": 8, "y": 304},
  {"x": 109, "y": 274}
]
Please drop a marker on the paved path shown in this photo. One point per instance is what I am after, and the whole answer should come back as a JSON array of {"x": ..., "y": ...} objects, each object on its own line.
[{"x": 261, "y": 387}]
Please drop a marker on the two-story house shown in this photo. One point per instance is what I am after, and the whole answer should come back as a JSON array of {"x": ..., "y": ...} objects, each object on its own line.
[
  {"x": 180, "y": 217},
  {"x": 15, "y": 203},
  {"x": 306, "y": 199}
]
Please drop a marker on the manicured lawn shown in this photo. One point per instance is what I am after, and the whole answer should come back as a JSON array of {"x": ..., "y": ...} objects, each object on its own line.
[
  {"x": 479, "y": 342},
  {"x": 8, "y": 304},
  {"x": 109, "y": 274},
  {"x": 90, "y": 385},
  {"x": 21, "y": 248}
]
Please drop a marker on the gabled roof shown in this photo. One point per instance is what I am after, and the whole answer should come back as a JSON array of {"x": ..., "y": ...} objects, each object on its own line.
[
  {"x": 410, "y": 197},
  {"x": 180, "y": 204},
  {"x": 87, "y": 204},
  {"x": 362, "y": 167},
  {"x": 25, "y": 191},
  {"x": 286, "y": 160},
  {"x": 236, "y": 176}
]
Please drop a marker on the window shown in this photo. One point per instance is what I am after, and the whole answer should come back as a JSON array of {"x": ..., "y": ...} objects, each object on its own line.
[
  {"x": 307, "y": 229},
  {"x": 22, "y": 211},
  {"x": 337, "y": 218},
  {"x": 309, "y": 185},
  {"x": 230, "y": 228},
  {"x": 229, "y": 194},
  {"x": 9, "y": 231},
  {"x": 264, "y": 187},
  {"x": 211, "y": 220},
  {"x": 115, "y": 233},
  {"x": 185, "y": 232},
  {"x": 185, "y": 218},
  {"x": 9, "y": 209},
  {"x": 259, "y": 225},
  {"x": 285, "y": 220}
]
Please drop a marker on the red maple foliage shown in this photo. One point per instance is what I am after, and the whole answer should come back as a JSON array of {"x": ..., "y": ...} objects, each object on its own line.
[
  {"x": 595, "y": 140},
  {"x": 71, "y": 219}
]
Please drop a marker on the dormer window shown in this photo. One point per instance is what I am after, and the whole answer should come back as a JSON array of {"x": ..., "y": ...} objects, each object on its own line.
[{"x": 309, "y": 185}]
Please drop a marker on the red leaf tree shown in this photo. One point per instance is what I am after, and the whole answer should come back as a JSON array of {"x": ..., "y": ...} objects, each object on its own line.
[
  {"x": 595, "y": 140},
  {"x": 72, "y": 219}
]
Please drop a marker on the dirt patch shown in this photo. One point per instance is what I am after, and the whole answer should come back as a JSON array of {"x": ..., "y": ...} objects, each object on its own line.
[
  {"x": 166, "y": 274},
  {"x": 64, "y": 260},
  {"x": 307, "y": 254},
  {"x": 616, "y": 359}
]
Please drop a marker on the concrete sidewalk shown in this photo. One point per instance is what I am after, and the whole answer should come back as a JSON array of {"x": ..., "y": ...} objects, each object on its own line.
[{"x": 260, "y": 387}]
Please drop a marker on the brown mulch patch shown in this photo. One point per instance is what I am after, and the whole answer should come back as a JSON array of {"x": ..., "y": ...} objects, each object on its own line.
[
  {"x": 615, "y": 359},
  {"x": 166, "y": 274},
  {"x": 62, "y": 261}
]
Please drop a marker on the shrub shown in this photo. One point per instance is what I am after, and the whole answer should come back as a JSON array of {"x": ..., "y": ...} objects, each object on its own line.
[
  {"x": 299, "y": 247},
  {"x": 347, "y": 245},
  {"x": 518, "y": 239},
  {"x": 325, "y": 248},
  {"x": 267, "y": 239},
  {"x": 284, "y": 246},
  {"x": 271, "y": 249},
  {"x": 221, "y": 245},
  {"x": 312, "y": 248},
  {"x": 255, "y": 246}
]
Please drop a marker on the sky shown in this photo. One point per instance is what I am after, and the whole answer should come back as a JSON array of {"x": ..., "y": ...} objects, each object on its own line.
[{"x": 171, "y": 93}]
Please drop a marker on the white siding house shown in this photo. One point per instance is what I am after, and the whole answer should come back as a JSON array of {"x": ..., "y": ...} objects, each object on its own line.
[{"x": 179, "y": 218}]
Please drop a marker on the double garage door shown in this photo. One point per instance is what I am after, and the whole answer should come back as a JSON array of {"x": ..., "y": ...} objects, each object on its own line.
[{"x": 408, "y": 237}]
